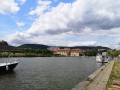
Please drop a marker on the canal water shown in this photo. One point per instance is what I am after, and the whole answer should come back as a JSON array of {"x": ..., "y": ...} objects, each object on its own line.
[{"x": 48, "y": 73}]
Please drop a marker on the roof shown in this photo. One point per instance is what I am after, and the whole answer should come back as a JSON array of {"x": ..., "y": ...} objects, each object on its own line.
[
  {"x": 3, "y": 41},
  {"x": 76, "y": 50}
]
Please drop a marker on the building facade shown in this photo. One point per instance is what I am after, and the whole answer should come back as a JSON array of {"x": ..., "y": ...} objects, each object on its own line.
[
  {"x": 64, "y": 52},
  {"x": 69, "y": 52},
  {"x": 76, "y": 52},
  {"x": 3, "y": 45}
]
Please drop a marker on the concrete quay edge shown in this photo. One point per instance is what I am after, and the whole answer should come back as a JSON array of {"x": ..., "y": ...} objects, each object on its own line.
[{"x": 89, "y": 79}]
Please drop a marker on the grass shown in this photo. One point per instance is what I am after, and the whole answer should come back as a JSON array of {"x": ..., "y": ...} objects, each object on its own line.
[{"x": 115, "y": 74}]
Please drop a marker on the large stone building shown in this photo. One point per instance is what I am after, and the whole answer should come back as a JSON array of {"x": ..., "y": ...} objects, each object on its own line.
[
  {"x": 76, "y": 52},
  {"x": 3, "y": 45},
  {"x": 64, "y": 52},
  {"x": 69, "y": 52}
]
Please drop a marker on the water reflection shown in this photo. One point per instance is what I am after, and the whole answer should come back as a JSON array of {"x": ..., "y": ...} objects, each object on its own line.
[
  {"x": 100, "y": 64},
  {"x": 8, "y": 75}
]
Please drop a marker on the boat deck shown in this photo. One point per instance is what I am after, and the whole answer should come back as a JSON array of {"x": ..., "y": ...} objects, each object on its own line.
[{"x": 4, "y": 64}]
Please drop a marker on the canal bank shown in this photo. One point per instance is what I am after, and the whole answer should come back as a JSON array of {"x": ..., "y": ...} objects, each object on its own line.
[{"x": 97, "y": 80}]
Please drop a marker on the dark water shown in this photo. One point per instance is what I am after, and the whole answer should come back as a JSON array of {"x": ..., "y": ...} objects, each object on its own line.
[{"x": 48, "y": 73}]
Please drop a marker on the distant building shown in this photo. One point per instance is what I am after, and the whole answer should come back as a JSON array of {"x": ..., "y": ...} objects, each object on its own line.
[
  {"x": 3, "y": 45},
  {"x": 76, "y": 52},
  {"x": 65, "y": 51},
  {"x": 101, "y": 49},
  {"x": 53, "y": 48},
  {"x": 69, "y": 52}
]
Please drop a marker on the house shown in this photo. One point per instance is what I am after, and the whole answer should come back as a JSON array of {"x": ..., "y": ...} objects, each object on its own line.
[
  {"x": 69, "y": 52},
  {"x": 101, "y": 50},
  {"x": 3, "y": 45},
  {"x": 76, "y": 52},
  {"x": 64, "y": 51}
]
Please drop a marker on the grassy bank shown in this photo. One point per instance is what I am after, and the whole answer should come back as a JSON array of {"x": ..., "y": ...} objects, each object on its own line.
[{"x": 114, "y": 76}]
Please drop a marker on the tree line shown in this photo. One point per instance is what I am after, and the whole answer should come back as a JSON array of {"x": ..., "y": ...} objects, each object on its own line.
[
  {"x": 114, "y": 53},
  {"x": 29, "y": 53},
  {"x": 47, "y": 53}
]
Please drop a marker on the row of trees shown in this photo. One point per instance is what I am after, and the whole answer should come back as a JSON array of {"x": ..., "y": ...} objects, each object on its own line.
[
  {"x": 48, "y": 53},
  {"x": 114, "y": 53},
  {"x": 29, "y": 53},
  {"x": 91, "y": 52}
]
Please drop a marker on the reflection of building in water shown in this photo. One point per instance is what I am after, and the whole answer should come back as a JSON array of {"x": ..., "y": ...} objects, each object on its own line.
[
  {"x": 3, "y": 45},
  {"x": 69, "y": 52},
  {"x": 100, "y": 64}
]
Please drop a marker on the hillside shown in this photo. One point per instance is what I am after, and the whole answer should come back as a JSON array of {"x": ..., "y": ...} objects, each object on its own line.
[
  {"x": 9, "y": 46},
  {"x": 33, "y": 46},
  {"x": 90, "y": 47},
  {"x": 41, "y": 46}
]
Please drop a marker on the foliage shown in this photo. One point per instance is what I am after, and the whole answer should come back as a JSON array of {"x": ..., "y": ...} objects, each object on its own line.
[
  {"x": 29, "y": 53},
  {"x": 87, "y": 47},
  {"x": 114, "y": 53},
  {"x": 115, "y": 74},
  {"x": 91, "y": 52},
  {"x": 40, "y": 46},
  {"x": 3, "y": 54},
  {"x": 33, "y": 46}
]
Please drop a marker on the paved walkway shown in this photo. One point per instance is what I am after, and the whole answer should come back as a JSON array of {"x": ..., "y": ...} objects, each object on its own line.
[{"x": 100, "y": 81}]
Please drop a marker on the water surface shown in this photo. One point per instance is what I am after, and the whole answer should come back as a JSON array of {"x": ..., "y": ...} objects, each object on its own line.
[{"x": 48, "y": 73}]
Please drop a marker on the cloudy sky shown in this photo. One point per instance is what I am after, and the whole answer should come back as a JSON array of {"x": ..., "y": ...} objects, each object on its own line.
[{"x": 61, "y": 22}]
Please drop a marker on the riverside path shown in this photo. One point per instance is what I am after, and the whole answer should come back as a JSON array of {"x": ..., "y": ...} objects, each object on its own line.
[{"x": 100, "y": 80}]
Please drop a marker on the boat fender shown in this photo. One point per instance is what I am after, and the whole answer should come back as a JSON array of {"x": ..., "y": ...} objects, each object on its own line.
[{"x": 7, "y": 68}]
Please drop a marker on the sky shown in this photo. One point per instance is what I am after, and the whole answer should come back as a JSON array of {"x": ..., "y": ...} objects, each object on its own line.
[{"x": 61, "y": 22}]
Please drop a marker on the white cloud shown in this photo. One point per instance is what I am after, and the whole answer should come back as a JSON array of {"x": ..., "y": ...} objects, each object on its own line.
[
  {"x": 78, "y": 16},
  {"x": 85, "y": 43},
  {"x": 20, "y": 24},
  {"x": 22, "y": 38},
  {"x": 42, "y": 6},
  {"x": 98, "y": 19},
  {"x": 22, "y": 1},
  {"x": 8, "y": 6}
]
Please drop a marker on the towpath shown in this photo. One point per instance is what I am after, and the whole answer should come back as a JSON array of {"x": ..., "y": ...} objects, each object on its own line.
[{"x": 100, "y": 81}]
